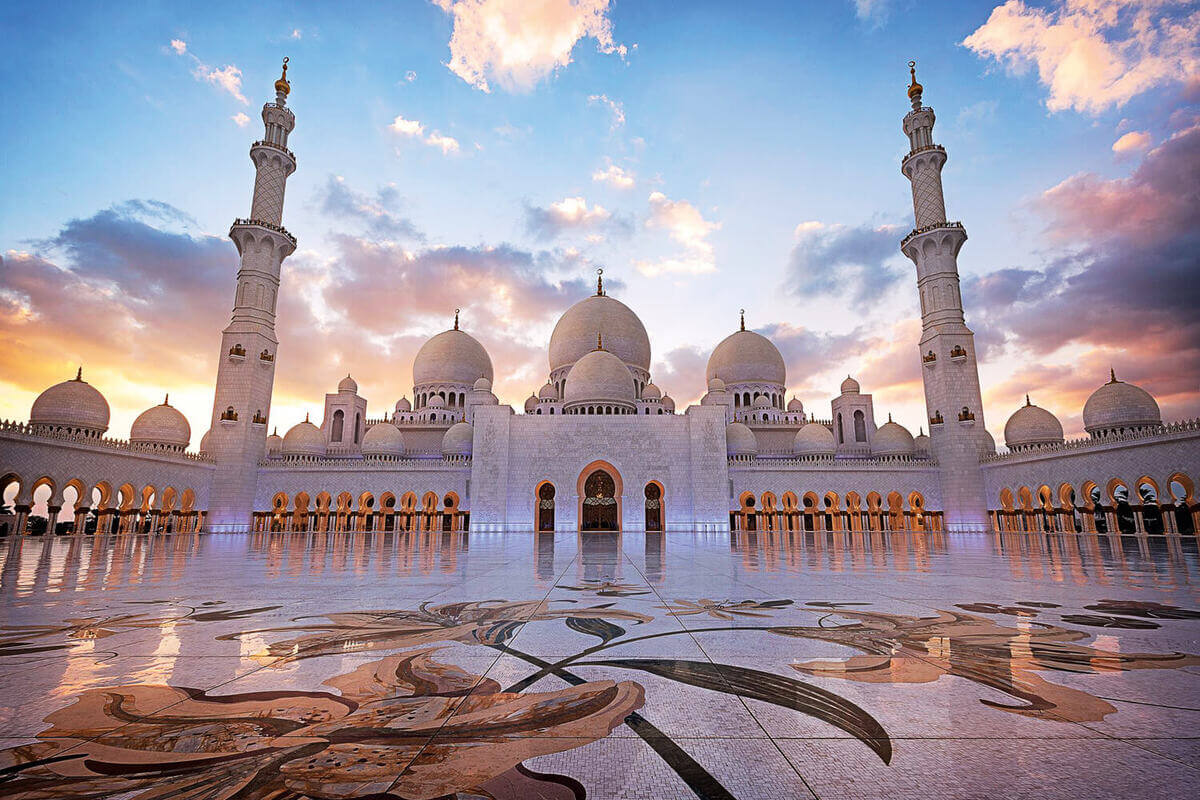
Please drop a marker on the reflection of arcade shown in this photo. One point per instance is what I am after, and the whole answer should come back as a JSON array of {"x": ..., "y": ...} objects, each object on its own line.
[{"x": 599, "y": 502}]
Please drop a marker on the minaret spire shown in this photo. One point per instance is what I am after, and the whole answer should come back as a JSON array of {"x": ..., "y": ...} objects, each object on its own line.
[
  {"x": 599, "y": 281},
  {"x": 245, "y": 384},
  {"x": 952, "y": 377},
  {"x": 742, "y": 313},
  {"x": 456, "y": 318}
]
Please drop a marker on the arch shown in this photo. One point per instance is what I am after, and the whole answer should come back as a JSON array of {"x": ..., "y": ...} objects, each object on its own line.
[
  {"x": 916, "y": 505},
  {"x": 166, "y": 503},
  {"x": 543, "y": 499},
  {"x": 860, "y": 426},
  {"x": 747, "y": 515},
  {"x": 895, "y": 510},
  {"x": 300, "y": 512},
  {"x": 450, "y": 510},
  {"x": 1189, "y": 488},
  {"x": 1025, "y": 498},
  {"x": 337, "y": 428},
  {"x": 1115, "y": 485},
  {"x": 599, "y": 489},
  {"x": 187, "y": 501},
  {"x": 148, "y": 496},
  {"x": 656, "y": 506},
  {"x": 1149, "y": 498},
  {"x": 1006, "y": 500}
]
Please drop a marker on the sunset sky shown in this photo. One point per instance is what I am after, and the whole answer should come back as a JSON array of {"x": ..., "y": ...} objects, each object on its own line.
[{"x": 489, "y": 154}]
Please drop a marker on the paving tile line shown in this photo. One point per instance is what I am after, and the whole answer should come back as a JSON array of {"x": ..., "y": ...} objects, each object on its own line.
[{"x": 766, "y": 733}]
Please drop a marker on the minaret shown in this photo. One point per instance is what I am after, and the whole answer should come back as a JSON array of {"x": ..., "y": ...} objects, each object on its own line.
[
  {"x": 947, "y": 349},
  {"x": 246, "y": 370}
]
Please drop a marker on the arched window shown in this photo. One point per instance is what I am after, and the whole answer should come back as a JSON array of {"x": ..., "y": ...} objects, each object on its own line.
[
  {"x": 737, "y": 401},
  {"x": 357, "y": 427},
  {"x": 841, "y": 436},
  {"x": 551, "y": 410},
  {"x": 339, "y": 421},
  {"x": 860, "y": 426},
  {"x": 745, "y": 398}
]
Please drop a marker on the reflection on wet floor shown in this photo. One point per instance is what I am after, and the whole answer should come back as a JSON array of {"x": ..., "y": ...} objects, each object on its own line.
[{"x": 600, "y": 665}]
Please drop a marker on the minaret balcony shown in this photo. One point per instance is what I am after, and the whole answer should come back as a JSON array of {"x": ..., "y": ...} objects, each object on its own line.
[
  {"x": 243, "y": 223},
  {"x": 937, "y": 226},
  {"x": 922, "y": 149},
  {"x": 273, "y": 146}
]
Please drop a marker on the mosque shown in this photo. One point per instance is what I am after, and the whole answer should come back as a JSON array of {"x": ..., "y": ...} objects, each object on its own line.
[{"x": 599, "y": 446}]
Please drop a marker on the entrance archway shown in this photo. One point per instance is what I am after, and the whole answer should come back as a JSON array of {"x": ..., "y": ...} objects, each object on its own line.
[
  {"x": 654, "y": 506},
  {"x": 545, "y": 507},
  {"x": 599, "y": 498}
]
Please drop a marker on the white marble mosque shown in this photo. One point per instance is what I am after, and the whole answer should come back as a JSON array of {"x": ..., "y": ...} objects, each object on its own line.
[{"x": 599, "y": 446}]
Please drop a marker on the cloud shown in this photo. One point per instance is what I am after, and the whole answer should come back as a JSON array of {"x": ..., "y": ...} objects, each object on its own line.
[
  {"x": 1120, "y": 284},
  {"x": 874, "y": 12},
  {"x": 571, "y": 214},
  {"x": 1131, "y": 142},
  {"x": 832, "y": 259},
  {"x": 1093, "y": 54},
  {"x": 516, "y": 43},
  {"x": 410, "y": 76},
  {"x": 227, "y": 78},
  {"x": 339, "y": 200},
  {"x": 240, "y": 119},
  {"x": 685, "y": 225},
  {"x": 416, "y": 130},
  {"x": 614, "y": 176},
  {"x": 615, "y": 107},
  {"x": 179, "y": 46},
  {"x": 296, "y": 34}
]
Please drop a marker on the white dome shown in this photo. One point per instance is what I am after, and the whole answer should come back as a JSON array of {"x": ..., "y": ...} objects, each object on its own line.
[
  {"x": 206, "y": 440},
  {"x": 922, "y": 443},
  {"x": 162, "y": 424},
  {"x": 437, "y": 401},
  {"x": 762, "y": 401},
  {"x": 746, "y": 357},
  {"x": 348, "y": 384},
  {"x": 452, "y": 356},
  {"x": 794, "y": 406},
  {"x": 274, "y": 444},
  {"x": 482, "y": 385},
  {"x": 304, "y": 439},
  {"x": 383, "y": 439},
  {"x": 893, "y": 439},
  {"x": 458, "y": 440},
  {"x": 740, "y": 440},
  {"x": 403, "y": 405},
  {"x": 1116, "y": 406},
  {"x": 986, "y": 444},
  {"x": 651, "y": 392},
  {"x": 814, "y": 439},
  {"x": 547, "y": 392},
  {"x": 850, "y": 386},
  {"x": 531, "y": 404},
  {"x": 668, "y": 403},
  {"x": 600, "y": 376},
  {"x": 624, "y": 335},
  {"x": 1031, "y": 425},
  {"x": 716, "y": 385},
  {"x": 71, "y": 404}
]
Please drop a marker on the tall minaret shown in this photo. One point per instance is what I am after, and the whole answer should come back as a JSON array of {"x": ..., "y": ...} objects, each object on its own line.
[
  {"x": 947, "y": 349},
  {"x": 246, "y": 371}
]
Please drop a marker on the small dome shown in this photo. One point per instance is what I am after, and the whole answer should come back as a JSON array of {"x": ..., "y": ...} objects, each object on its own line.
[
  {"x": 746, "y": 357},
  {"x": 850, "y": 386},
  {"x": 547, "y": 392},
  {"x": 304, "y": 439},
  {"x": 348, "y": 384},
  {"x": 452, "y": 356},
  {"x": 458, "y": 440},
  {"x": 274, "y": 446},
  {"x": 383, "y": 439},
  {"x": 531, "y": 404},
  {"x": 1031, "y": 425},
  {"x": 716, "y": 385},
  {"x": 403, "y": 405},
  {"x": 651, "y": 392},
  {"x": 437, "y": 401},
  {"x": 893, "y": 439},
  {"x": 599, "y": 376},
  {"x": 668, "y": 403},
  {"x": 794, "y": 406},
  {"x": 814, "y": 439},
  {"x": 762, "y": 401},
  {"x": 922, "y": 443},
  {"x": 482, "y": 385},
  {"x": 71, "y": 404},
  {"x": 206, "y": 441},
  {"x": 162, "y": 424},
  {"x": 574, "y": 335},
  {"x": 985, "y": 442},
  {"x": 1118, "y": 406},
  {"x": 740, "y": 440}
]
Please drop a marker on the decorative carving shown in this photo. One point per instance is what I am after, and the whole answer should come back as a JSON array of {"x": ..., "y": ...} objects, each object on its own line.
[
  {"x": 265, "y": 356},
  {"x": 929, "y": 357},
  {"x": 229, "y": 415},
  {"x": 937, "y": 418},
  {"x": 966, "y": 414},
  {"x": 237, "y": 351}
]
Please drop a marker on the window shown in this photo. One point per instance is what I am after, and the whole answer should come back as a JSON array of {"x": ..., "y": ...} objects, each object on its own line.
[
  {"x": 357, "y": 427},
  {"x": 339, "y": 421},
  {"x": 860, "y": 427},
  {"x": 841, "y": 435}
]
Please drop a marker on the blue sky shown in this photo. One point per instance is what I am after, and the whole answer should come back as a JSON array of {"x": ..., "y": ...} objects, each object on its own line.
[{"x": 733, "y": 123}]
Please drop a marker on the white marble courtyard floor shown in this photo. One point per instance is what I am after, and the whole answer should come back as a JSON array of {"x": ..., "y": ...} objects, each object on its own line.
[{"x": 562, "y": 666}]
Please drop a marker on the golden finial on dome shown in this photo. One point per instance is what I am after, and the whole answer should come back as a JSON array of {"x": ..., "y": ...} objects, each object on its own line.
[
  {"x": 1112, "y": 375},
  {"x": 1027, "y": 403},
  {"x": 914, "y": 89},
  {"x": 79, "y": 374},
  {"x": 599, "y": 341},
  {"x": 742, "y": 311},
  {"x": 282, "y": 86},
  {"x": 599, "y": 281},
  {"x": 456, "y": 318}
]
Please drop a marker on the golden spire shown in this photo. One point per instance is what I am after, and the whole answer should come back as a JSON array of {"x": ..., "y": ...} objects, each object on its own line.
[
  {"x": 1112, "y": 375},
  {"x": 599, "y": 341},
  {"x": 1027, "y": 403},
  {"x": 914, "y": 89},
  {"x": 282, "y": 86},
  {"x": 743, "y": 313},
  {"x": 456, "y": 318},
  {"x": 79, "y": 374},
  {"x": 166, "y": 399},
  {"x": 599, "y": 281}
]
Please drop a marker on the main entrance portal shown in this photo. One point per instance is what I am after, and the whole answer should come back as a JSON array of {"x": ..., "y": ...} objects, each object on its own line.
[{"x": 599, "y": 502}]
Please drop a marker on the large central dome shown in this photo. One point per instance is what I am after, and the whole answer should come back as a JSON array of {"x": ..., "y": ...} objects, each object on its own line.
[
  {"x": 746, "y": 357},
  {"x": 575, "y": 334},
  {"x": 452, "y": 356}
]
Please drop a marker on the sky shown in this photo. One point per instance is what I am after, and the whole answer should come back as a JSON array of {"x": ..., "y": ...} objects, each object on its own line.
[{"x": 489, "y": 155}]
